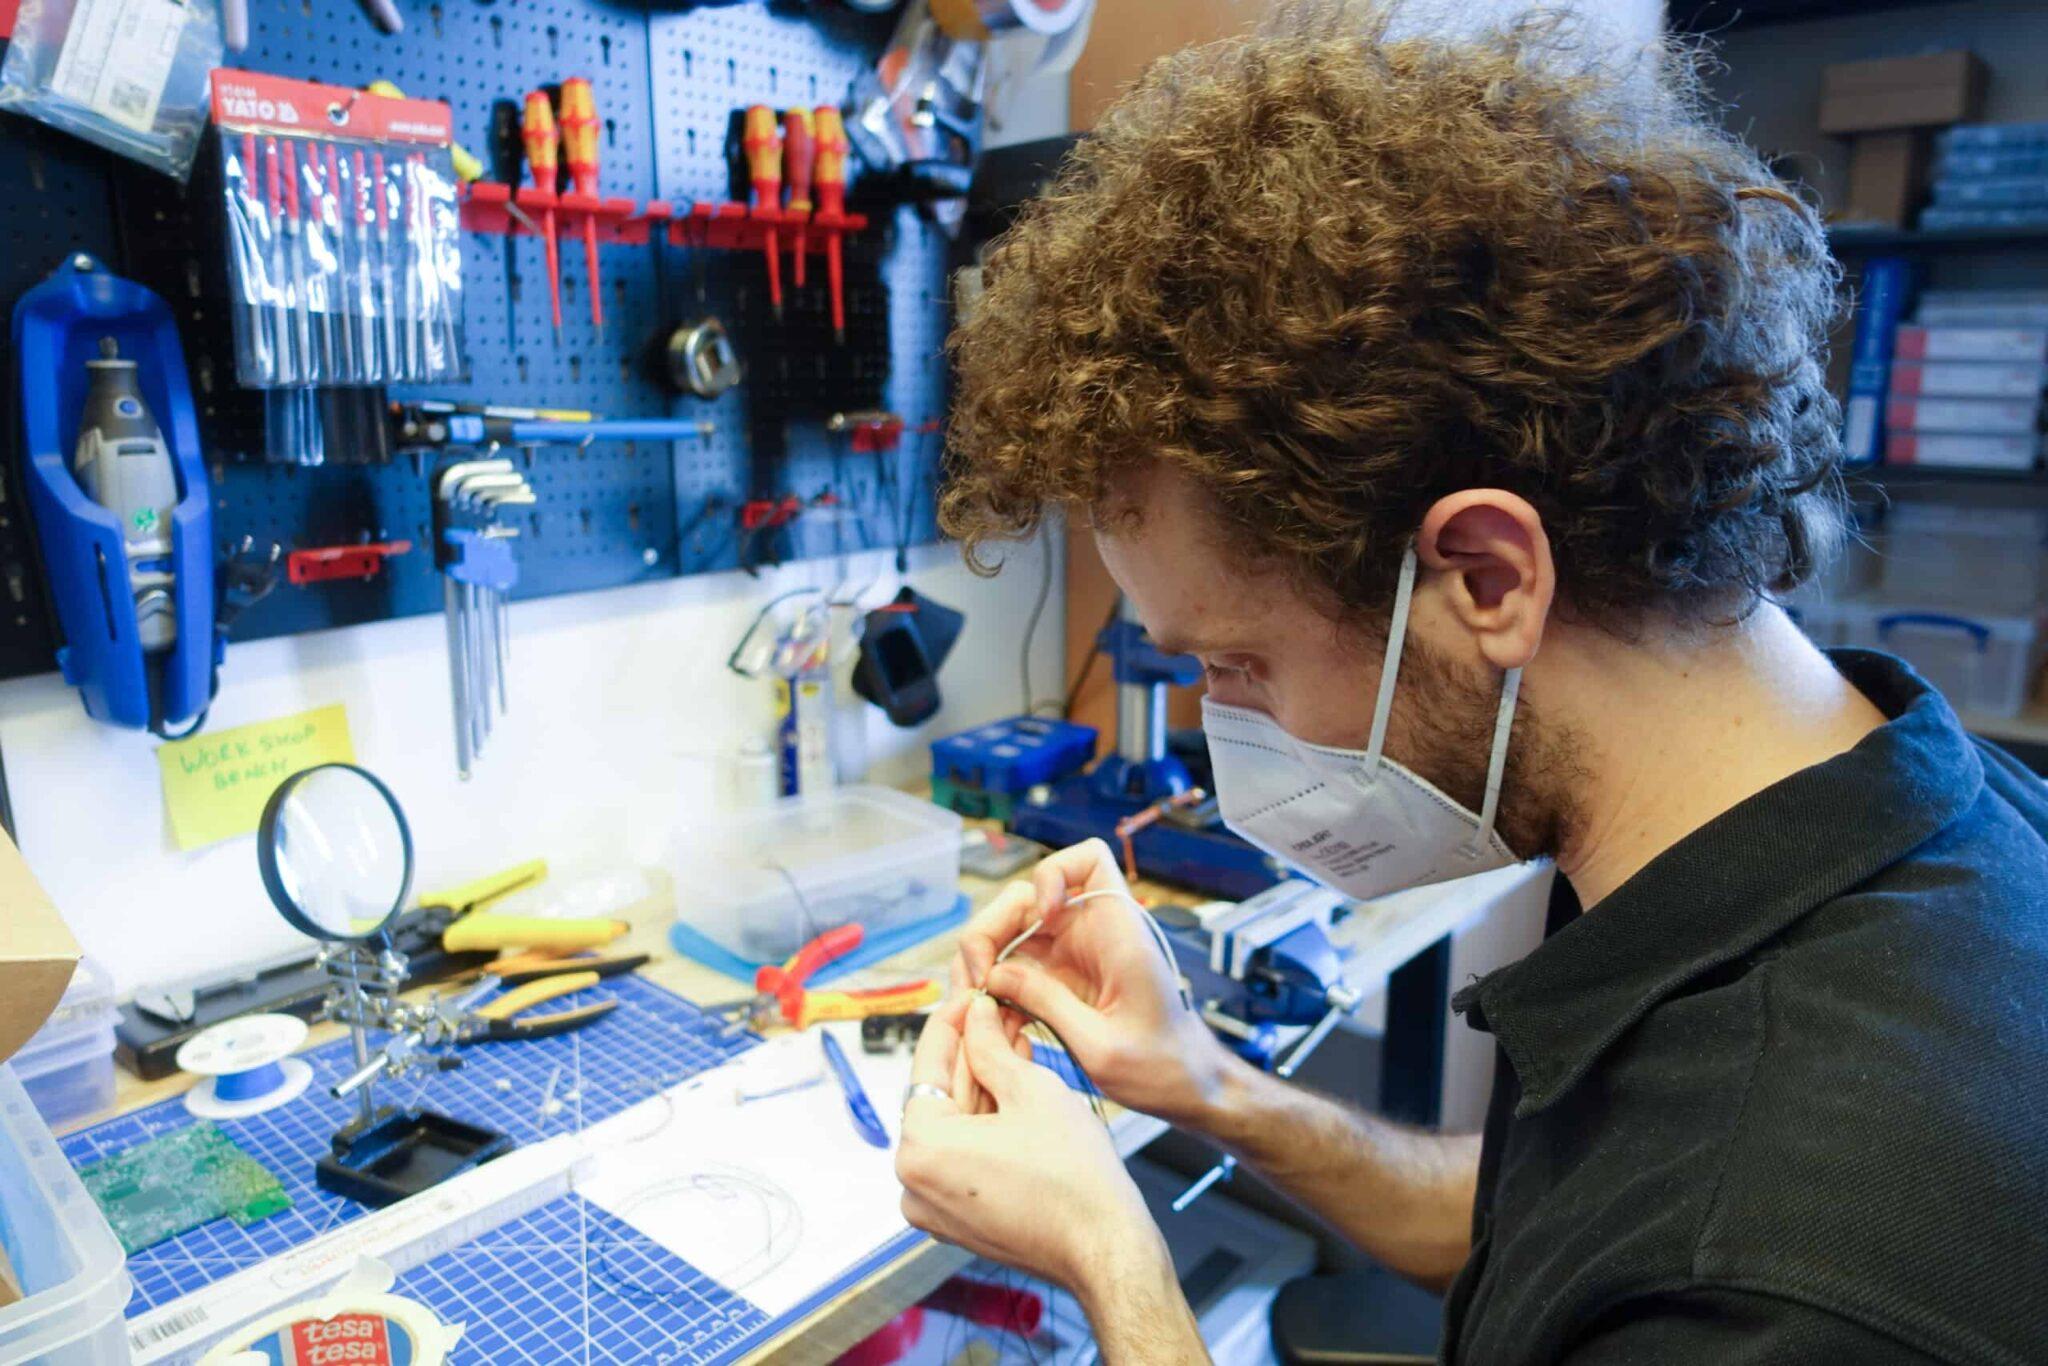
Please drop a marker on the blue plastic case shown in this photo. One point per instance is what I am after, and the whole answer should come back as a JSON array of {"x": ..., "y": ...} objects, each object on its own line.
[{"x": 57, "y": 328}]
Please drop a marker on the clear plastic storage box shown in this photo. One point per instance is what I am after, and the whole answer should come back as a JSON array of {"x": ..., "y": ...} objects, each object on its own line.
[
  {"x": 1985, "y": 560},
  {"x": 1982, "y": 662},
  {"x": 73, "y": 1277},
  {"x": 67, "y": 1066},
  {"x": 759, "y": 883}
]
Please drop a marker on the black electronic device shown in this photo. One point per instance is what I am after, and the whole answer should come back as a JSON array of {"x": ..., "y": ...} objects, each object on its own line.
[{"x": 902, "y": 648}]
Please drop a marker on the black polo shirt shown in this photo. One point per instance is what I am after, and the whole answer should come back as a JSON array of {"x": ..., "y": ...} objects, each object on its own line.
[{"x": 1783, "y": 1095}]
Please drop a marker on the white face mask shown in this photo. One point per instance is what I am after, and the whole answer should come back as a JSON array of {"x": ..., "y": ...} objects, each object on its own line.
[{"x": 1353, "y": 820}]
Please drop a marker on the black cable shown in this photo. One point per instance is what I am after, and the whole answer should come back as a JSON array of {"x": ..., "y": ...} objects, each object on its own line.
[
  {"x": 1037, "y": 611},
  {"x": 803, "y": 906},
  {"x": 7, "y": 807},
  {"x": 1088, "y": 664},
  {"x": 1088, "y": 1086}
]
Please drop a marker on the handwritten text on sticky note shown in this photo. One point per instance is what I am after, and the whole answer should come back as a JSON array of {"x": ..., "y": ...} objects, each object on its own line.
[{"x": 215, "y": 784}]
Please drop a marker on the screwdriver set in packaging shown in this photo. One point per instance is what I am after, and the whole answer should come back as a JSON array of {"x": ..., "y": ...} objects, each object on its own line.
[{"x": 343, "y": 234}]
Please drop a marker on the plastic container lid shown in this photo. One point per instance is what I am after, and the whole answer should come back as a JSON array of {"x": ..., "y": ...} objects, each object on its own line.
[{"x": 73, "y": 1275}]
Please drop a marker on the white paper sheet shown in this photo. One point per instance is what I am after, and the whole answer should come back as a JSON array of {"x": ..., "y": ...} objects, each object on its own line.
[{"x": 800, "y": 1144}]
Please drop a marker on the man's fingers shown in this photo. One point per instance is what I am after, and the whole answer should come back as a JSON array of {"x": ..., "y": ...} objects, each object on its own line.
[
  {"x": 1012, "y": 912},
  {"x": 988, "y": 1052},
  {"x": 967, "y": 1092},
  {"x": 1073, "y": 869},
  {"x": 938, "y": 1051},
  {"x": 1032, "y": 987}
]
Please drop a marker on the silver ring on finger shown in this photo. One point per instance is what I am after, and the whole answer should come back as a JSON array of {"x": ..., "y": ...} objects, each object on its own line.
[{"x": 926, "y": 1089}]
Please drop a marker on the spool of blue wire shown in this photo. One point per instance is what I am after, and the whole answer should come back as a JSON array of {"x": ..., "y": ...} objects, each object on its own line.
[{"x": 245, "y": 1065}]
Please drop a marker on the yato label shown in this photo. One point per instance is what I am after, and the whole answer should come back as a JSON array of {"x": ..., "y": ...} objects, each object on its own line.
[{"x": 256, "y": 102}]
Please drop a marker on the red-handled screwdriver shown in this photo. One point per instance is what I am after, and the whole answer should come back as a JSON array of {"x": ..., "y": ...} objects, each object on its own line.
[
  {"x": 579, "y": 149},
  {"x": 380, "y": 200},
  {"x": 365, "y": 213},
  {"x": 763, "y": 145},
  {"x": 261, "y": 346},
  {"x": 294, "y": 247},
  {"x": 537, "y": 130},
  {"x": 799, "y": 157},
  {"x": 832, "y": 202}
]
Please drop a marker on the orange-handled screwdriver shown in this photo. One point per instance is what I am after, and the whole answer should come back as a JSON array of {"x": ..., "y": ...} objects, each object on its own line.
[
  {"x": 579, "y": 149},
  {"x": 543, "y": 144},
  {"x": 831, "y": 139},
  {"x": 799, "y": 156},
  {"x": 762, "y": 142}
]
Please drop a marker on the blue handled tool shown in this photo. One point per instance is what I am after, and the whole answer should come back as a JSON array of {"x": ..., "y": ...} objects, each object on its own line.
[{"x": 865, "y": 1121}]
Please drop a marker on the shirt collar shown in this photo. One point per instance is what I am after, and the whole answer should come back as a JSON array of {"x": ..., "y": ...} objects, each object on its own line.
[{"x": 1737, "y": 881}]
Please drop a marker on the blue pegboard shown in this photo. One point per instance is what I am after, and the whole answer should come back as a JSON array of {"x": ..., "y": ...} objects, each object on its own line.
[{"x": 616, "y": 513}]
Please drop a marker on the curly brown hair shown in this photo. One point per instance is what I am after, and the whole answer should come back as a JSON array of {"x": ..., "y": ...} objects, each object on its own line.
[{"x": 1333, "y": 274}]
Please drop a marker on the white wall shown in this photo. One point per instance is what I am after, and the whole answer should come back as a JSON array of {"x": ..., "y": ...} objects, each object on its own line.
[{"x": 622, "y": 708}]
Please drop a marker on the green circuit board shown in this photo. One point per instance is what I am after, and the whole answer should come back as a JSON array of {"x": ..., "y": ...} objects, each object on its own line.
[{"x": 159, "y": 1189}]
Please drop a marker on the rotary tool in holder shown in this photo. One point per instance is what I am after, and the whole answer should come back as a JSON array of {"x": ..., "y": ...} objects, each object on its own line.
[
  {"x": 119, "y": 491},
  {"x": 123, "y": 465}
]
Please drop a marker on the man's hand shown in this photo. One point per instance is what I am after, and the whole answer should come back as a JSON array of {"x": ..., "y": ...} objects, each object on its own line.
[
  {"x": 1097, "y": 973},
  {"x": 1015, "y": 1166}
]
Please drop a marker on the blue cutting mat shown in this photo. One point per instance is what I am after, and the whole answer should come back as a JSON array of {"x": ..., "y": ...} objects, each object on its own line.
[
  {"x": 528, "y": 1297},
  {"x": 525, "y": 1291},
  {"x": 652, "y": 1041}
]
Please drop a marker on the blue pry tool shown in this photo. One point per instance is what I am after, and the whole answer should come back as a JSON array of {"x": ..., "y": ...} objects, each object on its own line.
[{"x": 865, "y": 1121}]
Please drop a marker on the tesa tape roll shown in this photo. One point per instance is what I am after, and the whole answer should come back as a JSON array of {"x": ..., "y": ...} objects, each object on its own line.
[{"x": 347, "y": 1328}]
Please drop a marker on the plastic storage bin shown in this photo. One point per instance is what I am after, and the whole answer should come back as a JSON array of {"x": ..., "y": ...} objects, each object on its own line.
[
  {"x": 73, "y": 1276},
  {"x": 1981, "y": 662},
  {"x": 67, "y": 1067},
  {"x": 760, "y": 883},
  {"x": 1985, "y": 560}
]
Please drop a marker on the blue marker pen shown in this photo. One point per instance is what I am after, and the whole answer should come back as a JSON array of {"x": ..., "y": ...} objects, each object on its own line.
[{"x": 865, "y": 1122}]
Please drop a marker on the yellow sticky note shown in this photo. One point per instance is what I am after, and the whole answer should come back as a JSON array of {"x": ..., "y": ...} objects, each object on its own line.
[{"x": 215, "y": 784}]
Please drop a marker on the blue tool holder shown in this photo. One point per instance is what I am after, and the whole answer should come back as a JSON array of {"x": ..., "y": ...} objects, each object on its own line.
[
  {"x": 621, "y": 510},
  {"x": 58, "y": 326}
]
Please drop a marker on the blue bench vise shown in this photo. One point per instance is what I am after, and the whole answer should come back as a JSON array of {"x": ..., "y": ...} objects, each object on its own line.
[{"x": 1187, "y": 846}]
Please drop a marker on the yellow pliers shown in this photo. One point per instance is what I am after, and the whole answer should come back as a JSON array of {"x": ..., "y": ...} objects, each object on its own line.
[{"x": 503, "y": 1018}]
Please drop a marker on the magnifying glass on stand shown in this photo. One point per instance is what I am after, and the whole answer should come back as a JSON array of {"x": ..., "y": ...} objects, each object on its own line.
[{"x": 336, "y": 857}]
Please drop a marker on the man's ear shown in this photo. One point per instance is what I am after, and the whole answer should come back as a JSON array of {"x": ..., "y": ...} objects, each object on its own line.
[{"x": 1494, "y": 556}]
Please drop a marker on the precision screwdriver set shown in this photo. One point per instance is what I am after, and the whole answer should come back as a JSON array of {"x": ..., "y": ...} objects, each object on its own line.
[{"x": 343, "y": 234}]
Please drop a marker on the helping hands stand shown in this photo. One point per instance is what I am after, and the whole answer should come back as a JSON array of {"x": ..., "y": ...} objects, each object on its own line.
[{"x": 385, "y": 1154}]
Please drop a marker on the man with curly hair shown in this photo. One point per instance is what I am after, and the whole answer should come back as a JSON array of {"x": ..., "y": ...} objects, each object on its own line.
[{"x": 1459, "y": 404}]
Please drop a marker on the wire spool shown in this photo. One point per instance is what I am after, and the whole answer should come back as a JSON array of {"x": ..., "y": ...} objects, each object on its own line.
[
  {"x": 247, "y": 1065},
  {"x": 350, "y": 1325}
]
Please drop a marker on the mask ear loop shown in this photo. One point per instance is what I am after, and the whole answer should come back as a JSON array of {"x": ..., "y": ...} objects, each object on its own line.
[
  {"x": 1497, "y": 761},
  {"x": 1390, "y": 669}
]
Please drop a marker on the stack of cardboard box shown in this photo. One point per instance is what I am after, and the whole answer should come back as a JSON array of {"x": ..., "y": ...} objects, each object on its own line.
[
  {"x": 1889, "y": 110},
  {"x": 37, "y": 957}
]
